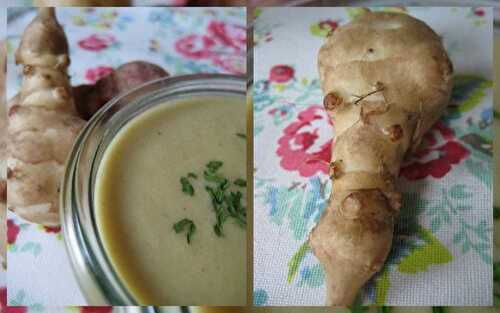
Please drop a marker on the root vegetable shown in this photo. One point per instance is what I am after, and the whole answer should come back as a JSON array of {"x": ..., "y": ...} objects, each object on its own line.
[
  {"x": 43, "y": 122},
  {"x": 387, "y": 80},
  {"x": 90, "y": 98}
]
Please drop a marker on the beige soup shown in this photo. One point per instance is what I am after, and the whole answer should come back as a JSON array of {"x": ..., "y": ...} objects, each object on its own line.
[{"x": 139, "y": 198}]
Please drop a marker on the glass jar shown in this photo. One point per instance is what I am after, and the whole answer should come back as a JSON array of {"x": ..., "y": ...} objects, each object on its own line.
[{"x": 98, "y": 280}]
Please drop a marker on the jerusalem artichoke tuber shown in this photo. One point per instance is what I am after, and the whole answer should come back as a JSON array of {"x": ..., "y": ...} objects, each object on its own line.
[
  {"x": 90, "y": 98},
  {"x": 387, "y": 80},
  {"x": 43, "y": 122}
]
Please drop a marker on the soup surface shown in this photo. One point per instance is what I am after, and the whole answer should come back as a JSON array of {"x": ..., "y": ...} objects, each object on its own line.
[{"x": 140, "y": 198}]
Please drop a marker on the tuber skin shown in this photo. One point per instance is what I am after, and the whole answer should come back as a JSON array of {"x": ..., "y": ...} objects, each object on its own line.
[
  {"x": 387, "y": 79},
  {"x": 90, "y": 98},
  {"x": 43, "y": 122}
]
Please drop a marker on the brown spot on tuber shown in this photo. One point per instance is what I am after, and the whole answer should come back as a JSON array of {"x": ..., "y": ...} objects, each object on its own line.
[
  {"x": 395, "y": 200},
  {"x": 371, "y": 207},
  {"x": 3, "y": 191},
  {"x": 28, "y": 70},
  {"x": 395, "y": 132},
  {"x": 351, "y": 205},
  {"x": 334, "y": 169},
  {"x": 14, "y": 109},
  {"x": 370, "y": 50},
  {"x": 332, "y": 101},
  {"x": 10, "y": 173}
]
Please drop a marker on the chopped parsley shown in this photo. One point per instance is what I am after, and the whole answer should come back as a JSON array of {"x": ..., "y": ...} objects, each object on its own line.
[
  {"x": 227, "y": 202},
  {"x": 187, "y": 188},
  {"x": 240, "y": 182},
  {"x": 185, "y": 224},
  {"x": 213, "y": 166}
]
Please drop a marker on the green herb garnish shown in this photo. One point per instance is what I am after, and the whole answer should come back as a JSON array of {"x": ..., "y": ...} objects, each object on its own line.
[
  {"x": 187, "y": 188},
  {"x": 240, "y": 182},
  {"x": 226, "y": 203},
  {"x": 185, "y": 224},
  {"x": 214, "y": 177},
  {"x": 241, "y": 135},
  {"x": 213, "y": 166}
]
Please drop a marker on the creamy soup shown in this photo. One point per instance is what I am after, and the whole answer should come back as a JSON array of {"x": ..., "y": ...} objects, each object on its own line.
[{"x": 155, "y": 216}]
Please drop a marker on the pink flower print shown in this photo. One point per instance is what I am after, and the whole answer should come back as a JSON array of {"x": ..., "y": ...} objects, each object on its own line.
[
  {"x": 96, "y": 42},
  {"x": 281, "y": 73},
  {"x": 228, "y": 34},
  {"x": 306, "y": 143},
  {"x": 234, "y": 64},
  {"x": 437, "y": 157},
  {"x": 195, "y": 46}
]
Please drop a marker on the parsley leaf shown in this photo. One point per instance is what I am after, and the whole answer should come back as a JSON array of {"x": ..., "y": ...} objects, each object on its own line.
[
  {"x": 240, "y": 182},
  {"x": 187, "y": 188},
  {"x": 213, "y": 166},
  {"x": 185, "y": 224}
]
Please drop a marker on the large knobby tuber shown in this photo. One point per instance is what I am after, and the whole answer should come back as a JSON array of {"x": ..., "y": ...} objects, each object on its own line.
[
  {"x": 47, "y": 115},
  {"x": 43, "y": 122},
  {"x": 387, "y": 79}
]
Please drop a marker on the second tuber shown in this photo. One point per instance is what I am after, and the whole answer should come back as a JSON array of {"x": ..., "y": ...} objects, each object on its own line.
[
  {"x": 90, "y": 98},
  {"x": 387, "y": 79}
]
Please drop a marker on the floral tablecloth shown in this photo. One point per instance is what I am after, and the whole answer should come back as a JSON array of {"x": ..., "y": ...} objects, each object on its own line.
[
  {"x": 181, "y": 40},
  {"x": 441, "y": 252},
  {"x": 134, "y": 2}
]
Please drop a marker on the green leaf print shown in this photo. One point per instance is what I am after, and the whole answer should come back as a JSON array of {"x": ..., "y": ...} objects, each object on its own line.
[
  {"x": 32, "y": 247},
  {"x": 294, "y": 263},
  {"x": 459, "y": 192},
  {"x": 433, "y": 252},
  {"x": 480, "y": 170},
  {"x": 323, "y": 28},
  {"x": 296, "y": 206},
  {"x": 382, "y": 286},
  {"x": 468, "y": 90}
]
